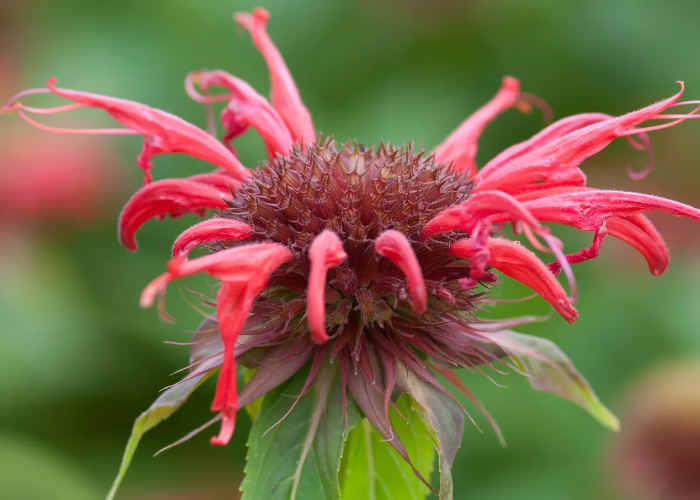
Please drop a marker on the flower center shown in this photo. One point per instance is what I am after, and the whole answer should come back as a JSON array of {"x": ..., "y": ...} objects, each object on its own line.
[{"x": 358, "y": 193}]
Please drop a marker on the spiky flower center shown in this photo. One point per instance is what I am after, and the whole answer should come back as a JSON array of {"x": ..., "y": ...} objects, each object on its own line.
[{"x": 358, "y": 193}]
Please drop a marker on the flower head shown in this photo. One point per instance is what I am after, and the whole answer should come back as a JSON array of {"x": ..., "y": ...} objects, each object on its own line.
[{"x": 376, "y": 260}]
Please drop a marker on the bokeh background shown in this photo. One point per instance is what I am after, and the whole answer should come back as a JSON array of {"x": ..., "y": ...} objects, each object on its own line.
[{"x": 79, "y": 360}]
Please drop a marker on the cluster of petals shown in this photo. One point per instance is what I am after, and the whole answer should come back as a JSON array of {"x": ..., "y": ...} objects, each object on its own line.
[{"x": 533, "y": 182}]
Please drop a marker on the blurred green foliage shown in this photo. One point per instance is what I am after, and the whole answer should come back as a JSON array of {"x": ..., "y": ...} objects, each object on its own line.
[{"x": 80, "y": 360}]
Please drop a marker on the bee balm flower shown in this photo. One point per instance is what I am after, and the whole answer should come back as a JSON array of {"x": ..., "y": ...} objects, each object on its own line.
[{"x": 372, "y": 263}]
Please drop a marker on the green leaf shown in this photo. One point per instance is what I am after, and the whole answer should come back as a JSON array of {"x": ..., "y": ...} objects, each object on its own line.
[
  {"x": 166, "y": 404},
  {"x": 551, "y": 371},
  {"x": 300, "y": 456},
  {"x": 373, "y": 470},
  {"x": 252, "y": 409},
  {"x": 441, "y": 418}
]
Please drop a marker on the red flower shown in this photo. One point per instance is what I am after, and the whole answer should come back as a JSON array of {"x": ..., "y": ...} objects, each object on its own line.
[{"x": 372, "y": 256}]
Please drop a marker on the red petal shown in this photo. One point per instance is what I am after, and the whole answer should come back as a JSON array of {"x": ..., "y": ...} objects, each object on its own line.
[
  {"x": 245, "y": 108},
  {"x": 586, "y": 210},
  {"x": 558, "y": 160},
  {"x": 244, "y": 272},
  {"x": 639, "y": 232},
  {"x": 543, "y": 137},
  {"x": 636, "y": 230},
  {"x": 221, "y": 181},
  {"x": 514, "y": 260},
  {"x": 284, "y": 95},
  {"x": 478, "y": 207},
  {"x": 325, "y": 252},
  {"x": 247, "y": 263},
  {"x": 164, "y": 133},
  {"x": 161, "y": 198},
  {"x": 477, "y": 212},
  {"x": 233, "y": 305},
  {"x": 462, "y": 145},
  {"x": 395, "y": 246},
  {"x": 210, "y": 230}
]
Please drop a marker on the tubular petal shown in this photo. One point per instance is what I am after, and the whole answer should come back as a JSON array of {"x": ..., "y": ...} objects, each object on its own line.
[
  {"x": 325, "y": 252},
  {"x": 558, "y": 160},
  {"x": 636, "y": 230},
  {"x": 164, "y": 133},
  {"x": 284, "y": 94},
  {"x": 245, "y": 108},
  {"x": 480, "y": 206},
  {"x": 233, "y": 305},
  {"x": 640, "y": 233},
  {"x": 395, "y": 246},
  {"x": 252, "y": 263},
  {"x": 586, "y": 210},
  {"x": 244, "y": 272},
  {"x": 210, "y": 230},
  {"x": 461, "y": 146},
  {"x": 513, "y": 260},
  {"x": 474, "y": 217},
  {"x": 167, "y": 196},
  {"x": 219, "y": 180},
  {"x": 544, "y": 136}
]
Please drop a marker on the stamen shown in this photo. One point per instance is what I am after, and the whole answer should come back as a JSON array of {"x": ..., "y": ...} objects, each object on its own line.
[
  {"x": 692, "y": 114},
  {"x": 194, "y": 78},
  {"x": 48, "y": 111},
  {"x": 539, "y": 103},
  {"x": 12, "y": 101},
  {"x": 95, "y": 131},
  {"x": 651, "y": 158}
]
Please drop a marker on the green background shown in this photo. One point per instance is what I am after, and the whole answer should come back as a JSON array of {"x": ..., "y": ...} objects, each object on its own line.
[{"x": 79, "y": 360}]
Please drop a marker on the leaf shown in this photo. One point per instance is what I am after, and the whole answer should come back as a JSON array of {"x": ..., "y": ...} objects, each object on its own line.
[
  {"x": 299, "y": 457},
  {"x": 166, "y": 404},
  {"x": 373, "y": 470},
  {"x": 440, "y": 417},
  {"x": 551, "y": 371},
  {"x": 252, "y": 409}
]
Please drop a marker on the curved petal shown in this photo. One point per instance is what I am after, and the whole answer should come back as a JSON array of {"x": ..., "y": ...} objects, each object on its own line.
[
  {"x": 163, "y": 132},
  {"x": 543, "y": 137},
  {"x": 167, "y": 196},
  {"x": 221, "y": 181},
  {"x": 244, "y": 272},
  {"x": 208, "y": 231},
  {"x": 478, "y": 210},
  {"x": 514, "y": 260},
  {"x": 284, "y": 94},
  {"x": 251, "y": 263},
  {"x": 325, "y": 252},
  {"x": 245, "y": 108},
  {"x": 640, "y": 233},
  {"x": 482, "y": 205},
  {"x": 395, "y": 246},
  {"x": 586, "y": 210},
  {"x": 461, "y": 146},
  {"x": 558, "y": 160}
]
